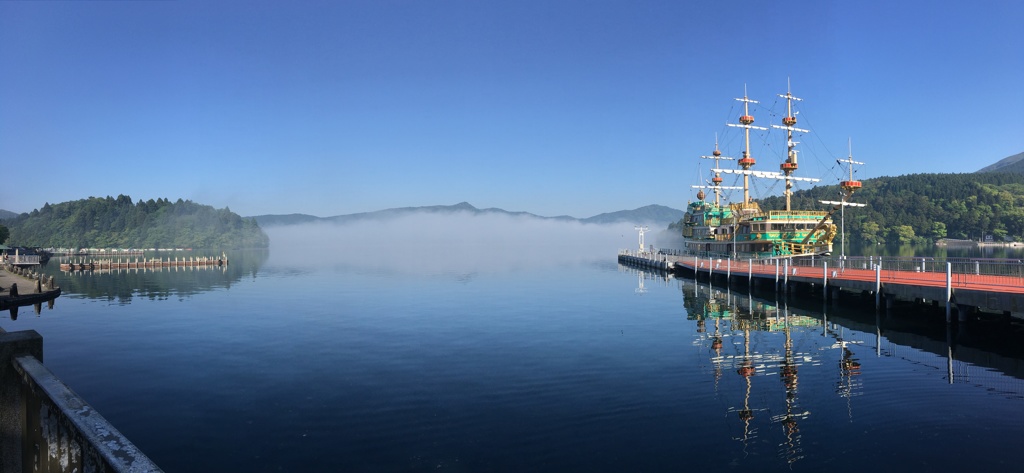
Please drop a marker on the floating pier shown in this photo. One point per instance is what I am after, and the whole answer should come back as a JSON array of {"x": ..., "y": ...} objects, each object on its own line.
[
  {"x": 647, "y": 260},
  {"x": 965, "y": 284},
  {"x": 143, "y": 263}
]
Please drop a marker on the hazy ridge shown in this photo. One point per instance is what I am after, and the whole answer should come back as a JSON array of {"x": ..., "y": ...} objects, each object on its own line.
[{"x": 653, "y": 214}]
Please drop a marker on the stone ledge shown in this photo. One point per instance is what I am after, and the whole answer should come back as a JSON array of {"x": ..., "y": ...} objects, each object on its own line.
[{"x": 71, "y": 435}]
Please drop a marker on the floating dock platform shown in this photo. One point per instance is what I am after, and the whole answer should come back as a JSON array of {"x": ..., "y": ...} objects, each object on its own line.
[
  {"x": 966, "y": 284},
  {"x": 142, "y": 263}
]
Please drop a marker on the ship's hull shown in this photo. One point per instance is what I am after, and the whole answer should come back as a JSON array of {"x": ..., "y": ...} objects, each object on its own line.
[{"x": 772, "y": 234}]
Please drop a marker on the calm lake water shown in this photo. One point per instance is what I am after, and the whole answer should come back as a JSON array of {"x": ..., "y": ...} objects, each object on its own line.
[{"x": 584, "y": 366}]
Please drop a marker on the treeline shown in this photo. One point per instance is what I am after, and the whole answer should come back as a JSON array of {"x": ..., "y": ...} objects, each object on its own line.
[
  {"x": 920, "y": 208},
  {"x": 119, "y": 223}
]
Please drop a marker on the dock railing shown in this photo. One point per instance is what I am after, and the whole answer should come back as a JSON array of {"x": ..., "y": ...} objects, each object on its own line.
[
  {"x": 22, "y": 259},
  {"x": 964, "y": 272}
]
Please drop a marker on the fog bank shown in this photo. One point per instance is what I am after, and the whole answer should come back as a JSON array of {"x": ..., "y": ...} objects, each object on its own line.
[{"x": 450, "y": 242}]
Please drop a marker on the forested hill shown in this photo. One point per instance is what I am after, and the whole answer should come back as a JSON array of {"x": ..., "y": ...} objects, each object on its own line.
[
  {"x": 119, "y": 223},
  {"x": 926, "y": 207}
]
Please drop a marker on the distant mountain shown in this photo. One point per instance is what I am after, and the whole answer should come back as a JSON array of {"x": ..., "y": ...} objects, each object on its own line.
[
  {"x": 656, "y": 214},
  {"x": 6, "y": 214},
  {"x": 432, "y": 209},
  {"x": 1014, "y": 164}
]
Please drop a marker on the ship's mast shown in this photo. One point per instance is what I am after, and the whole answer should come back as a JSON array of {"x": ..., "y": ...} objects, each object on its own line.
[
  {"x": 848, "y": 188},
  {"x": 716, "y": 181},
  {"x": 747, "y": 161},
  {"x": 790, "y": 164}
]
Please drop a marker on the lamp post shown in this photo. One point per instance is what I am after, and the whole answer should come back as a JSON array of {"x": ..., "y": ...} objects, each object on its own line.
[
  {"x": 735, "y": 230},
  {"x": 641, "y": 229},
  {"x": 842, "y": 228}
]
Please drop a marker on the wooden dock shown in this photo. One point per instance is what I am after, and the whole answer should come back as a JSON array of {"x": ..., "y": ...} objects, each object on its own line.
[
  {"x": 142, "y": 263},
  {"x": 968, "y": 285}
]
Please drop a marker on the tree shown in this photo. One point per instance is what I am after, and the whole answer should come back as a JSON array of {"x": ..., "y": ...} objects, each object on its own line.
[
  {"x": 968, "y": 205},
  {"x": 939, "y": 230},
  {"x": 4, "y": 234},
  {"x": 869, "y": 233},
  {"x": 904, "y": 233}
]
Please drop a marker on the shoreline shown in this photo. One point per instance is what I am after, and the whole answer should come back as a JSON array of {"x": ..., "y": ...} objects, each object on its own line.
[{"x": 978, "y": 244}]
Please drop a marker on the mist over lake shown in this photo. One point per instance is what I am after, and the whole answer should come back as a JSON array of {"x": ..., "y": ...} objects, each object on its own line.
[{"x": 446, "y": 243}]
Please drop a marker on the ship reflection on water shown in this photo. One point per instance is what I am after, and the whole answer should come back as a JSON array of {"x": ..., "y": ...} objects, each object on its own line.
[
  {"x": 788, "y": 376},
  {"x": 763, "y": 344}
]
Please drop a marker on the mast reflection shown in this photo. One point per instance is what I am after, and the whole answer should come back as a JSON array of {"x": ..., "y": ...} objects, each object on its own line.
[
  {"x": 848, "y": 384},
  {"x": 755, "y": 326},
  {"x": 789, "y": 374}
]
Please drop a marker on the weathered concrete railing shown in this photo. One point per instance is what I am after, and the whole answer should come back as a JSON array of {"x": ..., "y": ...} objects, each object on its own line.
[{"x": 46, "y": 427}]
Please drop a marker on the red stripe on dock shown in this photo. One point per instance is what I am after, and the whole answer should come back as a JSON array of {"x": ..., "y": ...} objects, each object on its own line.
[{"x": 978, "y": 282}]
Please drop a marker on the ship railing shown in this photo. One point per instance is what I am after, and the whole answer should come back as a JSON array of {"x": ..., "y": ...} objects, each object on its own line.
[
  {"x": 800, "y": 249},
  {"x": 796, "y": 214}
]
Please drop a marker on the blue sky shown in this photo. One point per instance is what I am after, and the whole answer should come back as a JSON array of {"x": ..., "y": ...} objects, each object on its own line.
[{"x": 551, "y": 107}]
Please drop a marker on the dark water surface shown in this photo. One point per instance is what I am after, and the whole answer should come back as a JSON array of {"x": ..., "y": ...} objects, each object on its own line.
[{"x": 268, "y": 367}]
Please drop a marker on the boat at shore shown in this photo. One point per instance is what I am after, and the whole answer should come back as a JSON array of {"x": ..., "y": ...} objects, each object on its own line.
[{"x": 743, "y": 228}]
